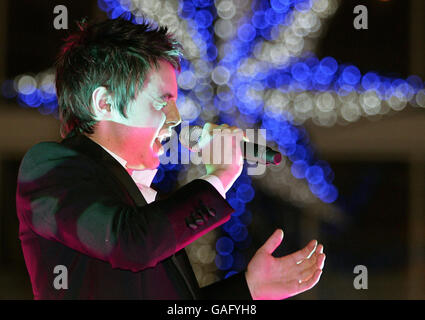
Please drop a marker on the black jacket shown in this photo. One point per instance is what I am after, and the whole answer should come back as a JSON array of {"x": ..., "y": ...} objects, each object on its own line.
[{"x": 79, "y": 208}]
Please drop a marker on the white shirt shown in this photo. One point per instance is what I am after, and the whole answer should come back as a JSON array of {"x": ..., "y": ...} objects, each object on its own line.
[{"x": 143, "y": 179}]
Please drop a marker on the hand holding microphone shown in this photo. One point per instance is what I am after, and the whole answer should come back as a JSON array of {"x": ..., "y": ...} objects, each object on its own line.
[
  {"x": 224, "y": 148},
  {"x": 220, "y": 147}
]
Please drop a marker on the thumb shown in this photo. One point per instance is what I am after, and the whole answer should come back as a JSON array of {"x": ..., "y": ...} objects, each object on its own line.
[{"x": 273, "y": 242}]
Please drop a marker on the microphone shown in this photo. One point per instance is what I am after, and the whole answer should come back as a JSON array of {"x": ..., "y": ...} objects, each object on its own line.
[{"x": 189, "y": 137}]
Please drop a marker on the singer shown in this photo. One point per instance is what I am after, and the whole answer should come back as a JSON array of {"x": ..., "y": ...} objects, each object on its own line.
[{"x": 85, "y": 203}]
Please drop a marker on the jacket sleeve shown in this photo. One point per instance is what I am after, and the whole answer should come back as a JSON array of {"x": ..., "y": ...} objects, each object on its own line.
[
  {"x": 232, "y": 288},
  {"x": 61, "y": 196}
]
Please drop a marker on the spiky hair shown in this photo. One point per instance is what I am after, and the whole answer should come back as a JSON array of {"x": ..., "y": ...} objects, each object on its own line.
[{"x": 115, "y": 54}]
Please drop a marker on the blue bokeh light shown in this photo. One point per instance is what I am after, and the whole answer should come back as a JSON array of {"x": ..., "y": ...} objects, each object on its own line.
[
  {"x": 320, "y": 77},
  {"x": 280, "y": 6},
  {"x": 203, "y": 3},
  {"x": 416, "y": 82},
  {"x": 300, "y": 71},
  {"x": 212, "y": 52},
  {"x": 32, "y": 100},
  {"x": 303, "y": 5},
  {"x": 272, "y": 17},
  {"x": 230, "y": 273},
  {"x": 246, "y": 217},
  {"x": 8, "y": 90},
  {"x": 238, "y": 232},
  {"x": 48, "y": 108},
  {"x": 299, "y": 154},
  {"x": 314, "y": 174},
  {"x": 236, "y": 204},
  {"x": 370, "y": 81},
  {"x": 116, "y": 11},
  {"x": 299, "y": 169},
  {"x": 203, "y": 18},
  {"x": 330, "y": 195},
  {"x": 246, "y": 32},
  {"x": 319, "y": 189},
  {"x": 187, "y": 9},
  {"x": 232, "y": 224},
  {"x": 328, "y": 66},
  {"x": 224, "y": 262},
  {"x": 259, "y": 20},
  {"x": 351, "y": 75},
  {"x": 245, "y": 193},
  {"x": 224, "y": 245}
]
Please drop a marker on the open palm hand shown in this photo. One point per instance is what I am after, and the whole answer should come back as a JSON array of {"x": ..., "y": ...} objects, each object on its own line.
[{"x": 279, "y": 278}]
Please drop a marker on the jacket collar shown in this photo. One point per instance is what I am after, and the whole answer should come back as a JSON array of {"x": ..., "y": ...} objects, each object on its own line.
[
  {"x": 143, "y": 177},
  {"x": 91, "y": 149}
]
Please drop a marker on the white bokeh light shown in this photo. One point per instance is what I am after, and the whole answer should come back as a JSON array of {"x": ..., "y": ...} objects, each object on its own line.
[
  {"x": 220, "y": 75},
  {"x": 226, "y": 9},
  {"x": 189, "y": 110},
  {"x": 420, "y": 98},
  {"x": 25, "y": 84},
  {"x": 186, "y": 80},
  {"x": 350, "y": 111}
]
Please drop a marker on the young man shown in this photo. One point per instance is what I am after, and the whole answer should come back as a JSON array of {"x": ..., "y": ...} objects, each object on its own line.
[{"x": 85, "y": 204}]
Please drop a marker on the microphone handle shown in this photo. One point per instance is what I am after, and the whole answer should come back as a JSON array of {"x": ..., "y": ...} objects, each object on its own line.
[{"x": 255, "y": 152}]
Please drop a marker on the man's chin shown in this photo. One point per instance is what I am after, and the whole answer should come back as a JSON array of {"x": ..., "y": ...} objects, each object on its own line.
[
  {"x": 153, "y": 161},
  {"x": 148, "y": 165}
]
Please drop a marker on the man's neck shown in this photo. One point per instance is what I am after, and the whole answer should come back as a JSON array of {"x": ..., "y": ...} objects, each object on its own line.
[
  {"x": 115, "y": 147},
  {"x": 145, "y": 176}
]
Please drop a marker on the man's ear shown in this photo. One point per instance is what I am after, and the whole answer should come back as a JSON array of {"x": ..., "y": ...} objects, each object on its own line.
[{"x": 102, "y": 104}]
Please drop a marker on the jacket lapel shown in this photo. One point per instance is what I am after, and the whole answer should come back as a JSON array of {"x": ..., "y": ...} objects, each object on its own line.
[{"x": 86, "y": 146}]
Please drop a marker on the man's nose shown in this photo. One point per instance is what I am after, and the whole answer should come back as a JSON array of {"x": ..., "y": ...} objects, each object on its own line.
[{"x": 173, "y": 115}]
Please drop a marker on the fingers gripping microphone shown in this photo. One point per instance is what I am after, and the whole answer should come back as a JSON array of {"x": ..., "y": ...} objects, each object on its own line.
[{"x": 250, "y": 151}]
